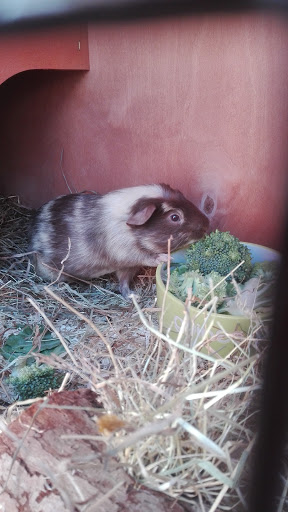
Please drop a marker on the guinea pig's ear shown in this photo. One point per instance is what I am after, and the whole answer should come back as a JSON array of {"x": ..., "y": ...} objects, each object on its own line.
[{"x": 140, "y": 215}]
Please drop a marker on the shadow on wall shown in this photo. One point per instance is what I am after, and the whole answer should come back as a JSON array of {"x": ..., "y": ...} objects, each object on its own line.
[{"x": 34, "y": 133}]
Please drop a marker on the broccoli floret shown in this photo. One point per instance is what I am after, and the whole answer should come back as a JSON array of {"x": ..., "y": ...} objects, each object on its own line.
[
  {"x": 32, "y": 381},
  {"x": 200, "y": 286},
  {"x": 205, "y": 285},
  {"x": 266, "y": 270},
  {"x": 181, "y": 281},
  {"x": 220, "y": 252}
]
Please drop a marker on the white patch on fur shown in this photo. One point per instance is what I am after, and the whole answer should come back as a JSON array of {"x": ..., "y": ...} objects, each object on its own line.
[
  {"x": 166, "y": 207},
  {"x": 44, "y": 238},
  {"x": 118, "y": 203},
  {"x": 41, "y": 238},
  {"x": 116, "y": 207},
  {"x": 46, "y": 211}
]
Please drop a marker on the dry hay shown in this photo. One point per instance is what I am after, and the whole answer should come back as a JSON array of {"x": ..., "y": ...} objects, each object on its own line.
[
  {"x": 180, "y": 421},
  {"x": 99, "y": 301}
]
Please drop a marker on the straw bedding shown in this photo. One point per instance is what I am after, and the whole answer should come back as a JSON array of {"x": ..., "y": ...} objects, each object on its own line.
[{"x": 178, "y": 420}]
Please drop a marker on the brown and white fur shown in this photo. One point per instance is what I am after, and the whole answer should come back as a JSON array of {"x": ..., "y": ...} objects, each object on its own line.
[{"x": 89, "y": 235}]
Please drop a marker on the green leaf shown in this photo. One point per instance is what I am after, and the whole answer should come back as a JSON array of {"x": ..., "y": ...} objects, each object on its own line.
[{"x": 17, "y": 345}]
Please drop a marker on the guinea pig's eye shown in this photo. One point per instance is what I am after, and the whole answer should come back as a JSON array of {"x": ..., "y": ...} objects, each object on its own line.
[{"x": 174, "y": 217}]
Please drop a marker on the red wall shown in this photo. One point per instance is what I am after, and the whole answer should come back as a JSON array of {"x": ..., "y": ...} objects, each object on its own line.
[{"x": 199, "y": 103}]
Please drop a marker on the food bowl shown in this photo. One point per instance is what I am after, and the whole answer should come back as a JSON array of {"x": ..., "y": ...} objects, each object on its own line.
[{"x": 173, "y": 308}]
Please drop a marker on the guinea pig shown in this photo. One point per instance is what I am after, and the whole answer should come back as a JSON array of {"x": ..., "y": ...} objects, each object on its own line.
[{"x": 87, "y": 235}]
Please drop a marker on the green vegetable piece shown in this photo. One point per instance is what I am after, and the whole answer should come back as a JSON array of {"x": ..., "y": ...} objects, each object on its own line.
[
  {"x": 21, "y": 344},
  {"x": 33, "y": 381},
  {"x": 201, "y": 286},
  {"x": 254, "y": 295},
  {"x": 266, "y": 270},
  {"x": 220, "y": 252}
]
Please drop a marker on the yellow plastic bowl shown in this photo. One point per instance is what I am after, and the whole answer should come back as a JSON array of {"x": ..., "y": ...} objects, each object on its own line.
[{"x": 173, "y": 314}]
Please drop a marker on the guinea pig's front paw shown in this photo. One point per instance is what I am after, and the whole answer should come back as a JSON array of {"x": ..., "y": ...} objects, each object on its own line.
[{"x": 126, "y": 291}]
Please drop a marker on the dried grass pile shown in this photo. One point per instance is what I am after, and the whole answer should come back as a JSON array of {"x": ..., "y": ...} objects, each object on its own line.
[
  {"x": 180, "y": 421},
  {"x": 24, "y": 301}
]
